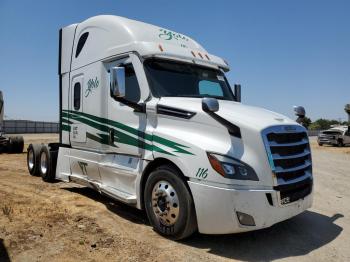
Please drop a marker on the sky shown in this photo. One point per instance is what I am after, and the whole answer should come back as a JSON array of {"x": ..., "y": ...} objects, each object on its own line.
[{"x": 283, "y": 53}]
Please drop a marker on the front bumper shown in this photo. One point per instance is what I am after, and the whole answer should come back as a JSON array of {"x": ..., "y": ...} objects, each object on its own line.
[
  {"x": 216, "y": 208},
  {"x": 327, "y": 141}
]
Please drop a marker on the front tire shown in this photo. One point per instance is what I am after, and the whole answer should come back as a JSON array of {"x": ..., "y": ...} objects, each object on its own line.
[{"x": 169, "y": 204}]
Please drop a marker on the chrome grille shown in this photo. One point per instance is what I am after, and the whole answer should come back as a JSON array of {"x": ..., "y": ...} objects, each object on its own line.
[{"x": 289, "y": 155}]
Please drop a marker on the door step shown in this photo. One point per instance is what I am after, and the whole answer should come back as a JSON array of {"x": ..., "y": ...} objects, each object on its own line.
[{"x": 119, "y": 195}]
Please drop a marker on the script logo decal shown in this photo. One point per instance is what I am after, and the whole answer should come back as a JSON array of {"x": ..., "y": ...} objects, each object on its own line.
[{"x": 91, "y": 85}]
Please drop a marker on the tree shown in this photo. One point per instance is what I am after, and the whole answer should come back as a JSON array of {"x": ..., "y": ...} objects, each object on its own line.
[
  {"x": 323, "y": 124},
  {"x": 305, "y": 122}
]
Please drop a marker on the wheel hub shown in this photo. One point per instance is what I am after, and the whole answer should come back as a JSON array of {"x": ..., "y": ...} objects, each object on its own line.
[
  {"x": 31, "y": 159},
  {"x": 162, "y": 203},
  {"x": 43, "y": 163},
  {"x": 165, "y": 203}
]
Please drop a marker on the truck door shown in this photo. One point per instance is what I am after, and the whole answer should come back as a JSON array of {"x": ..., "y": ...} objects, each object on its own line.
[
  {"x": 127, "y": 126},
  {"x": 120, "y": 167}
]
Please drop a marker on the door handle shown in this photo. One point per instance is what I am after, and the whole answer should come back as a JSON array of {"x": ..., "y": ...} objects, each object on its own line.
[{"x": 111, "y": 136}]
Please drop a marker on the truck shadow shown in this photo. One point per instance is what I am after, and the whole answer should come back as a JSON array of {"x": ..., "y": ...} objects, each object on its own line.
[
  {"x": 4, "y": 257},
  {"x": 127, "y": 212},
  {"x": 295, "y": 237}
]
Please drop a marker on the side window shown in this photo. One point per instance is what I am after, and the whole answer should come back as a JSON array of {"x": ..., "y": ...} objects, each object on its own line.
[
  {"x": 132, "y": 89},
  {"x": 81, "y": 43},
  {"x": 210, "y": 88},
  {"x": 77, "y": 95}
]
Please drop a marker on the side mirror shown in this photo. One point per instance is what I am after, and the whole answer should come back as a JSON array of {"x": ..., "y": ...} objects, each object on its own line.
[
  {"x": 238, "y": 93},
  {"x": 210, "y": 104},
  {"x": 117, "y": 81}
]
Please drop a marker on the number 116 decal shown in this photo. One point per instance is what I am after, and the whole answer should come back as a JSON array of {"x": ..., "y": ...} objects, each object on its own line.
[{"x": 202, "y": 173}]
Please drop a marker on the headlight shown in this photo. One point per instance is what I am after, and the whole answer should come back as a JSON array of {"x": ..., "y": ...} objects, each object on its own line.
[{"x": 231, "y": 168}]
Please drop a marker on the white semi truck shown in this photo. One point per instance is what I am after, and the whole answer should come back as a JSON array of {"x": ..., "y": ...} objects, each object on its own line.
[
  {"x": 12, "y": 144},
  {"x": 148, "y": 117}
]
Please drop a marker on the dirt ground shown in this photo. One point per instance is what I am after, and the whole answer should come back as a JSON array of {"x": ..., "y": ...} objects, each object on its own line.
[
  {"x": 66, "y": 222},
  {"x": 329, "y": 148}
]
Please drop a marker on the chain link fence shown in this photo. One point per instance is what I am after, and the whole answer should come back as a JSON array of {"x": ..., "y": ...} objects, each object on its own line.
[
  {"x": 313, "y": 132},
  {"x": 25, "y": 126}
]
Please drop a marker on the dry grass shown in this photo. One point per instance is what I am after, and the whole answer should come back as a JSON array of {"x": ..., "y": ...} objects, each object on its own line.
[{"x": 7, "y": 211}]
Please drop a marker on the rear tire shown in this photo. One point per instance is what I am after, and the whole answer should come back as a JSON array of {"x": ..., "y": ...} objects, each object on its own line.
[
  {"x": 169, "y": 204},
  {"x": 33, "y": 159},
  {"x": 47, "y": 164},
  {"x": 19, "y": 144},
  {"x": 10, "y": 144},
  {"x": 15, "y": 144}
]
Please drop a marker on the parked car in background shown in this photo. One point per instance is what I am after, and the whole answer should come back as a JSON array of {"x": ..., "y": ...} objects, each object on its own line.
[{"x": 336, "y": 136}]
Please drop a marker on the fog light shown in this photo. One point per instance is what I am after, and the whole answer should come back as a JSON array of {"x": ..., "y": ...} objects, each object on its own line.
[{"x": 245, "y": 219}]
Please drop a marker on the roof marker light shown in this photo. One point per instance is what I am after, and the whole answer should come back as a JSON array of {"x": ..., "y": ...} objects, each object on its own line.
[
  {"x": 200, "y": 55},
  {"x": 160, "y": 48},
  {"x": 194, "y": 55}
]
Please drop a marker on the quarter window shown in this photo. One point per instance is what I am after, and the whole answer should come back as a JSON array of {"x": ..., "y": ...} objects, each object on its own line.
[
  {"x": 77, "y": 95},
  {"x": 81, "y": 43}
]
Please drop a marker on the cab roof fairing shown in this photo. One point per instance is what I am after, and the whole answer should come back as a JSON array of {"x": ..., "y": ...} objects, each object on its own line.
[{"x": 112, "y": 35}]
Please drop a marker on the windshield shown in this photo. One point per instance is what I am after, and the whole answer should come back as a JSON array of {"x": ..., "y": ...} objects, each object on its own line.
[{"x": 175, "y": 79}]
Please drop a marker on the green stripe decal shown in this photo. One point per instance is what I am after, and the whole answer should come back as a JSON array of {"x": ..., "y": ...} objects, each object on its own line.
[
  {"x": 66, "y": 121},
  {"x": 65, "y": 128},
  {"x": 103, "y": 124}
]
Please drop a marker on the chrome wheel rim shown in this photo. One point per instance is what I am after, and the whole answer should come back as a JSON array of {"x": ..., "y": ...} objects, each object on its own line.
[
  {"x": 43, "y": 163},
  {"x": 165, "y": 203},
  {"x": 31, "y": 159}
]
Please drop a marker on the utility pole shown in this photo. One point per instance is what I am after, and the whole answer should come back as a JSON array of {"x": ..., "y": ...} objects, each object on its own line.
[{"x": 347, "y": 110}]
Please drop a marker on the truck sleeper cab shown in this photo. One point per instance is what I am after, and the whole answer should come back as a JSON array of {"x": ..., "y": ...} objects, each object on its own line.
[{"x": 148, "y": 118}]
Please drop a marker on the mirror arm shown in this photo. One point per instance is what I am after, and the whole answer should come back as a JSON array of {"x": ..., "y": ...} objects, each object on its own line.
[{"x": 232, "y": 128}]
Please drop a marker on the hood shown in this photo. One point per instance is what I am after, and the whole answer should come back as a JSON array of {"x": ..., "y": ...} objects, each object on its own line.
[{"x": 237, "y": 113}]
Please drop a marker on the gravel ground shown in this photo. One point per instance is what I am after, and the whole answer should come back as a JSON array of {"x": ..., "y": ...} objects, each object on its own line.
[{"x": 66, "y": 222}]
